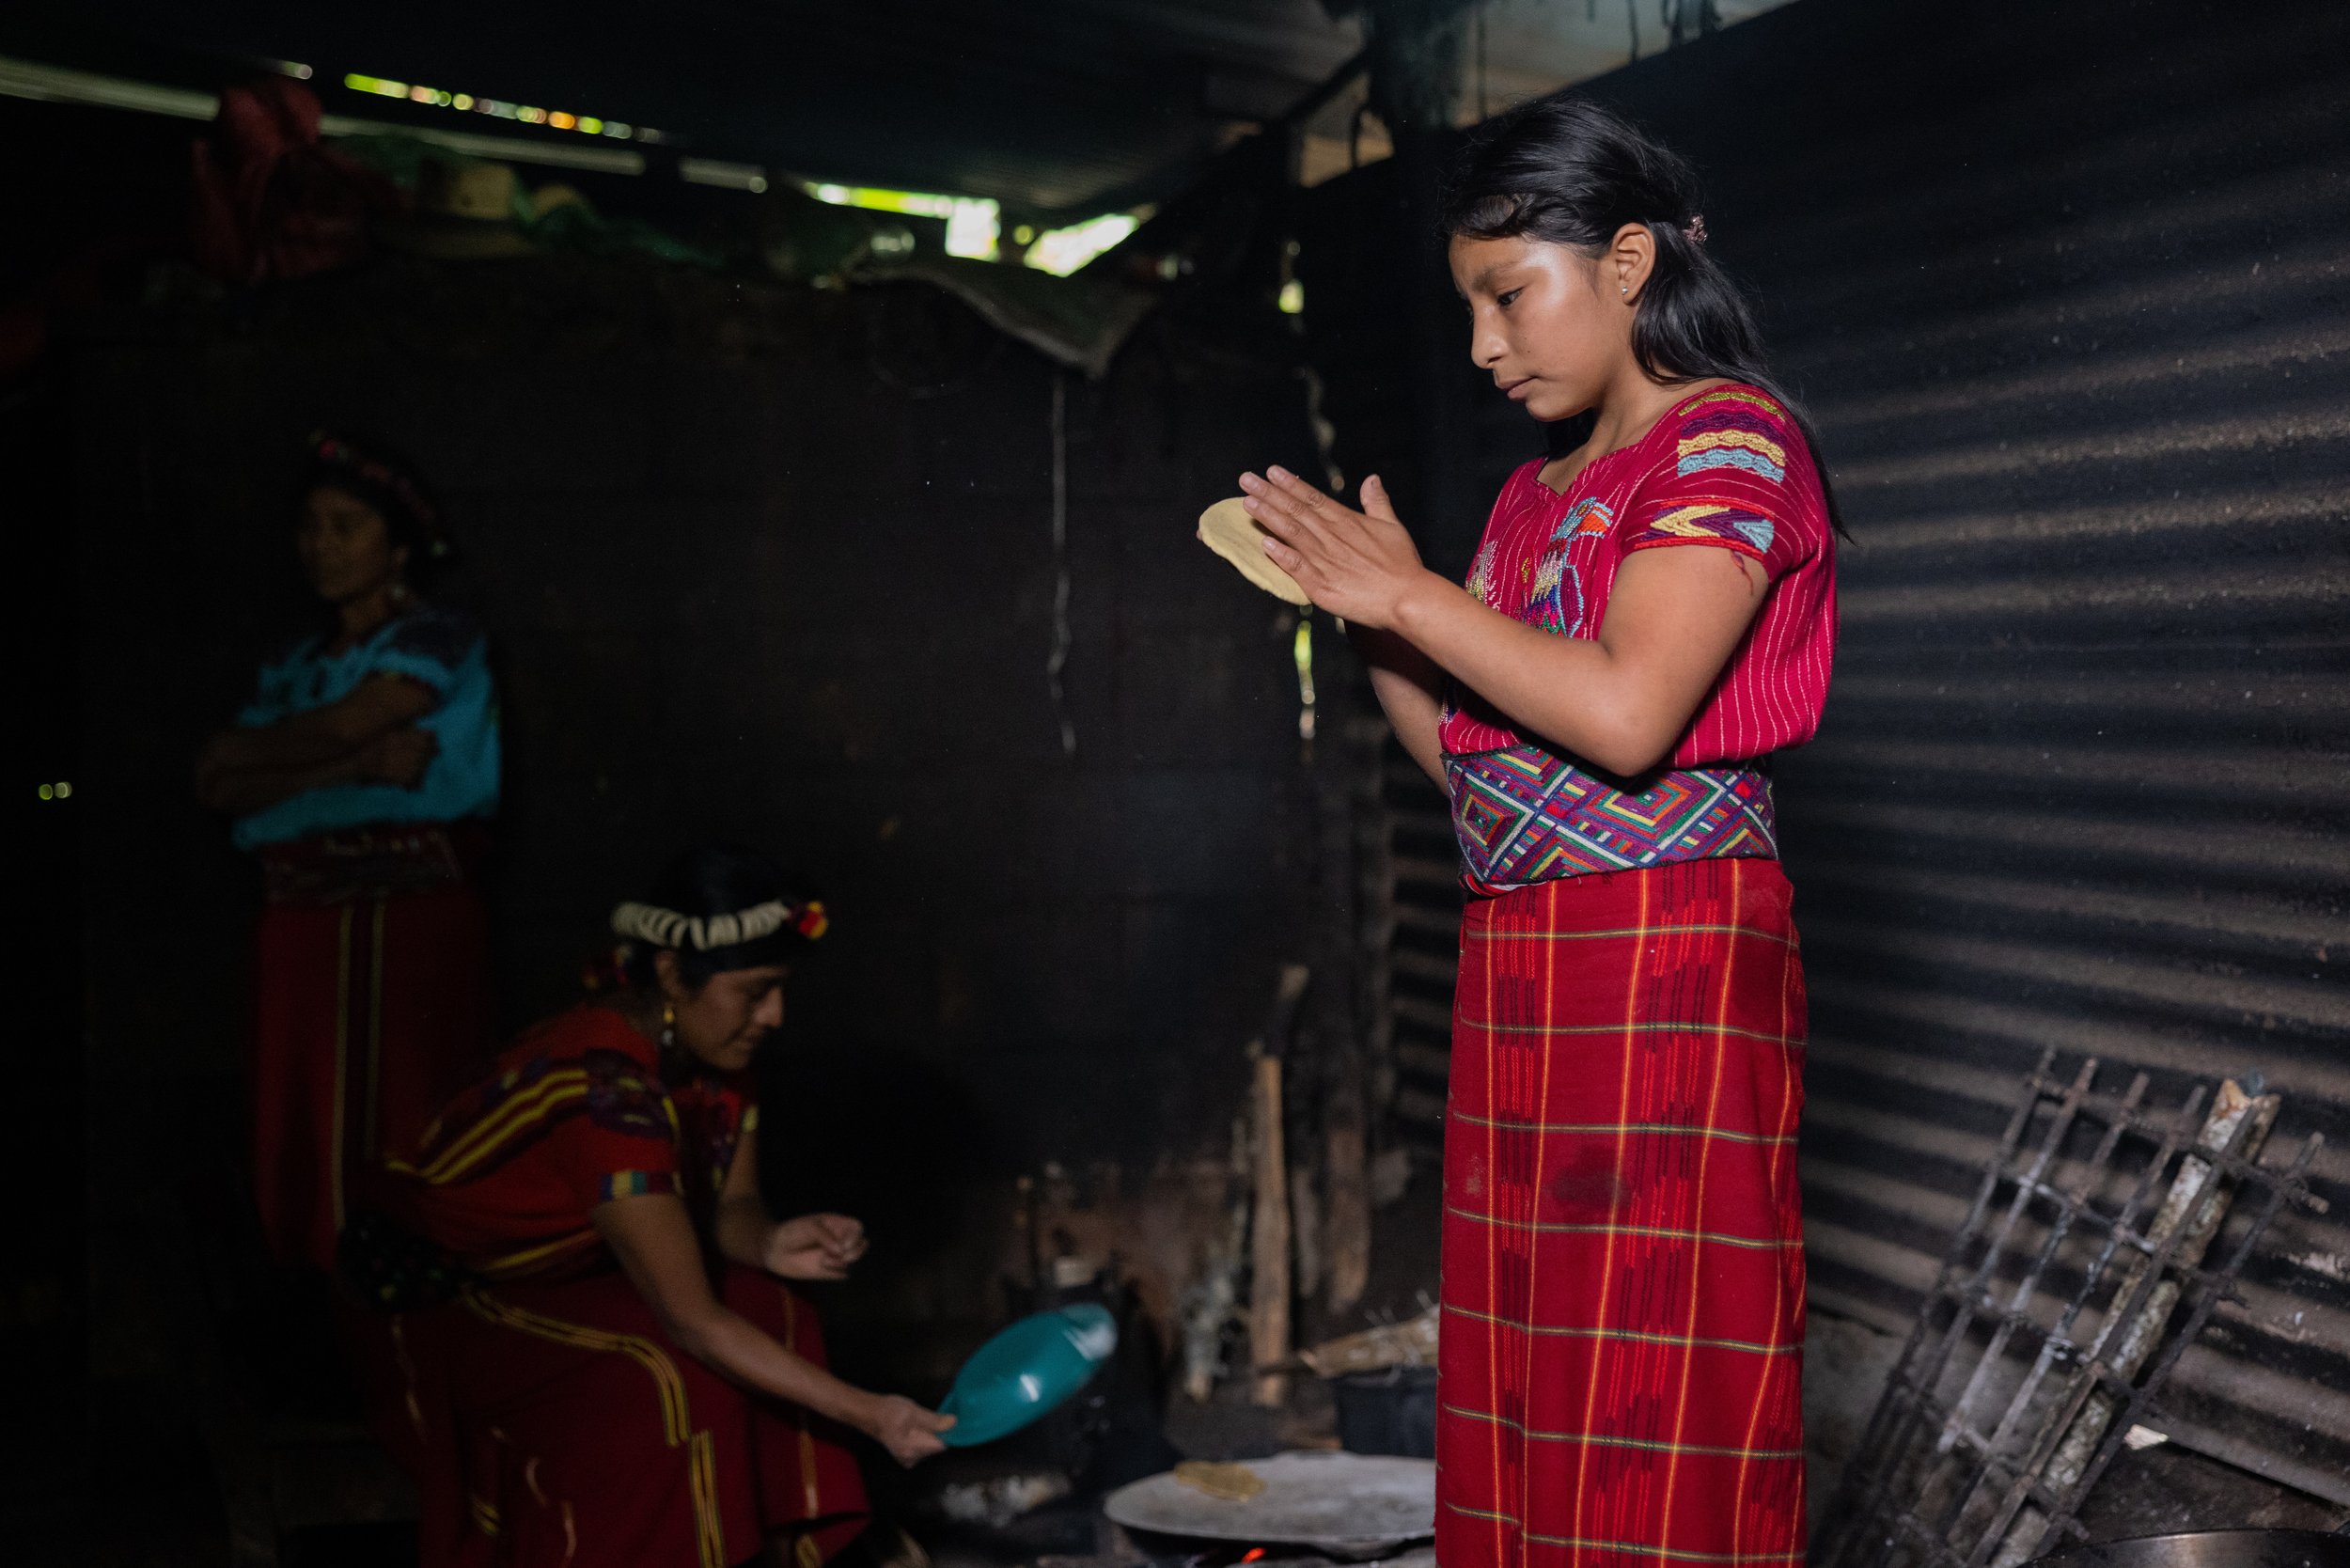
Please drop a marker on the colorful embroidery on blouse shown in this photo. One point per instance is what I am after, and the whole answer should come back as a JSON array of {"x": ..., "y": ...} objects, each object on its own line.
[
  {"x": 623, "y": 1097},
  {"x": 1554, "y": 602},
  {"x": 519, "y": 1107},
  {"x": 1589, "y": 515},
  {"x": 1730, "y": 432},
  {"x": 1726, "y": 394},
  {"x": 1481, "y": 578},
  {"x": 634, "y": 1183},
  {"x": 1713, "y": 522},
  {"x": 1524, "y": 816},
  {"x": 1558, "y": 605}
]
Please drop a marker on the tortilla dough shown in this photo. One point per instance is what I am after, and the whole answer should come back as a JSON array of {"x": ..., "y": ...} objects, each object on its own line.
[
  {"x": 1227, "y": 528},
  {"x": 1229, "y": 1482}
]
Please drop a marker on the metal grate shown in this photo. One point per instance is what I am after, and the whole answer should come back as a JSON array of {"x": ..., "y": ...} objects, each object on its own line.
[{"x": 2074, "y": 1284}]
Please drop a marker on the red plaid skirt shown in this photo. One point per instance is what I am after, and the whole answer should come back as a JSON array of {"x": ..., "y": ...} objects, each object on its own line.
[{"x": 1621, "y": 1368}]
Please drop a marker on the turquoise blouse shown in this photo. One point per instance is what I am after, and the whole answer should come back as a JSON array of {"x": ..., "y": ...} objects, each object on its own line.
[{"x": 440, "y": 649}]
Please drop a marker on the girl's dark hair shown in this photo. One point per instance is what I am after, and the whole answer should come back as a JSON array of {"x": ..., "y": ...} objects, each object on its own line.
[
  {"x": 718, "y": 879},
  {"x": 1572, "y": 171},
  {"x": 374, "y": 474}
]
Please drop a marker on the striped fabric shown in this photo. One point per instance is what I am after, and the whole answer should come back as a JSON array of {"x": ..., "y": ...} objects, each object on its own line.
[
  {"x": 635, "y": 1184},
  {"x": 558, "y": 1426},
  {"x": 1726, "y": 468},
  {"x": 1621, "y": 1371},
  {"x": 363, "y": 1008},
  {"x": 574, "y": 1114}
]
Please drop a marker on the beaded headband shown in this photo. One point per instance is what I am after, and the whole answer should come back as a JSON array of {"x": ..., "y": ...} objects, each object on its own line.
[
  {"x": 333, "y": 451},
  {"x": 666, "y": 928}
]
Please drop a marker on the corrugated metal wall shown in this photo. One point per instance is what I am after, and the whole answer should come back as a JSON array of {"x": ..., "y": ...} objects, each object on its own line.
[
  {"x": 2086, "y": 782},
  {"x": 2068, "y": 288}
]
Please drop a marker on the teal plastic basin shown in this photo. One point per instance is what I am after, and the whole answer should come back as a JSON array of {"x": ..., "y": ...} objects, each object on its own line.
[{"x": 1026, "y": 1371}]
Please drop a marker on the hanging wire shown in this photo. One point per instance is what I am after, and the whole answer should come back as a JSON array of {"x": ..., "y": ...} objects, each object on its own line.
[{"x": 1058, "y": 660}]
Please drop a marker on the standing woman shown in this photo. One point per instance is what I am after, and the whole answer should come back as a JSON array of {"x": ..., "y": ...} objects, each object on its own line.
[
  {"x": 362, "y": 774},
  {"x": 1620, "y": 1374}
]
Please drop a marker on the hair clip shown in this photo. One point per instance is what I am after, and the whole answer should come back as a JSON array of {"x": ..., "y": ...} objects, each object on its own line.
[{"x": 1694, "y": 228}]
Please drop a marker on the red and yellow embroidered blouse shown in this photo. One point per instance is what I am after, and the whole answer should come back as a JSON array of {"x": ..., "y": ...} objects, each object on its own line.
[
  {"x": 1727, "y": 468},
  {"x": 574, "y": 1114}
]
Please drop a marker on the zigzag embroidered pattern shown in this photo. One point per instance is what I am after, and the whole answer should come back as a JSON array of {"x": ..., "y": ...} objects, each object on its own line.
[
  {"x": 1733, "y": 526},
  {"x": 1732, "y": 435},
  {"x": 1733, "y": 394},
  {"x": 1726, "y": 457},
  {"x": 1523, "y": 816}
]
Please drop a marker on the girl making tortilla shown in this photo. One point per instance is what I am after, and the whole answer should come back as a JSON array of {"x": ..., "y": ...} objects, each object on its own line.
[
  {"x": 1622, "y": 1269},
  {"x": 362, "y": 775},
  {"x": 614, "y": 1374}
]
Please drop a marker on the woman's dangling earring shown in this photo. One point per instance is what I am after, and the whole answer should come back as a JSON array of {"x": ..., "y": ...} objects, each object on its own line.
[{"x": 668, "y": 1026}]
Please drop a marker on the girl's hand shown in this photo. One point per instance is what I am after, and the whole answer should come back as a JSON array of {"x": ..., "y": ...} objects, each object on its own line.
[
  {"x": 909, "y": 1432},
  {"x": 814, "y": 1247},
  {"x": 1357, "y": 565}
]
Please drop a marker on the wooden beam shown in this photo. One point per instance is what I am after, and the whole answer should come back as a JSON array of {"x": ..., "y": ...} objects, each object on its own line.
[{"x": 1269, "y": 1238}]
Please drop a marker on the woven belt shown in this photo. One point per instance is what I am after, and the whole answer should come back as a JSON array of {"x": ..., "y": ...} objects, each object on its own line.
[{"x": 1524, "y": 816}]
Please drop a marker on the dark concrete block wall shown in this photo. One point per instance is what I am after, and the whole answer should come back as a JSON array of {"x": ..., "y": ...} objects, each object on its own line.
[{"x": 740, "y": 582}]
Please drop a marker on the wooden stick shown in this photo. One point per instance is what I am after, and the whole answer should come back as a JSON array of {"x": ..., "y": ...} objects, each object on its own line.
[
  {"x": 1345, "y": 1184},
  {"x": 1269, "y": 1239}
]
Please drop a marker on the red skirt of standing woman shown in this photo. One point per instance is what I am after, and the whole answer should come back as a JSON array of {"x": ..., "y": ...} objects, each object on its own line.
[
  {"x": 1621, "y": 1371},
  {"x": 373, "y": 991},
  {"x": 555, "y": 1426}
]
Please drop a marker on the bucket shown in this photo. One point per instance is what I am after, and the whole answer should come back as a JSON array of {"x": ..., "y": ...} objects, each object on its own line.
[{"x": 1387, "y": 1412}]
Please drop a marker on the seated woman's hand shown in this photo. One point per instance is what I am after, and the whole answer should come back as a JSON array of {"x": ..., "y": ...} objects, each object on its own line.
[
  {"x": 815, "y": 1246},
  {"x": 909, "y": 1432}
]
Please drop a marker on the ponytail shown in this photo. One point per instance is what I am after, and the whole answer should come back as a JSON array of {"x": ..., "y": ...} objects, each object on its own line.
[{"x": 1572, "y": 172}]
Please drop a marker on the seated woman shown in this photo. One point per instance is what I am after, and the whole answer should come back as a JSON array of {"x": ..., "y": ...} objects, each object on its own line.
[
  {"x": 362, "y": 774},
  {"x": 621, "y": 1377}
]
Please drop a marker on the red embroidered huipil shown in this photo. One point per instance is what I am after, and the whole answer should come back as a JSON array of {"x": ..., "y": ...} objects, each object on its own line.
[
  {"x": 1727, "y": 468},
  {"x": 574, "y": 1114}
]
